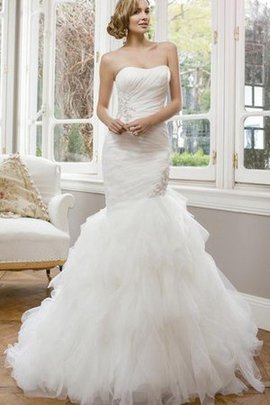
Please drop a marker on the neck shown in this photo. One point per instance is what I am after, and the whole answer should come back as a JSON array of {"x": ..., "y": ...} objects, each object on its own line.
[{"x": 136, "y": 40}]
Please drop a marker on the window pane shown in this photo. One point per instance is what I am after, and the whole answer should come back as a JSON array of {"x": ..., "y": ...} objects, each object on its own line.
[
  {"x": 73, "y": 142},
  {"x": 40, "y": 61},
  {"x": 257, "y": 54},
  {"x": 190, "y": 29},
  {"x": 190, "y": 142},
  {"x": 257, "y": 143},
  {"x": 74, "y": 66}
]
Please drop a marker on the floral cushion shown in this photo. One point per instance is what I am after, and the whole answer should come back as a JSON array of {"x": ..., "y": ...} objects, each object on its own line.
[{"x": 19, "y": 197}]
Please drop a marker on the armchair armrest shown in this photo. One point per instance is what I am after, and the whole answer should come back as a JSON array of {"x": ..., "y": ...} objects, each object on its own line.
[{"x": 58, "y": 210}]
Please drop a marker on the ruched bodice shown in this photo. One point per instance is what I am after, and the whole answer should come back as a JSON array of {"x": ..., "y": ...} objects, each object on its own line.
[
  {"x": 135, "y": 167},
  {"x": 141, "y": 91}
]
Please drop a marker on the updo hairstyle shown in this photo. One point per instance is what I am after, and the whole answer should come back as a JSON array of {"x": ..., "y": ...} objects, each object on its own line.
[{"x": 120, "y": 19}]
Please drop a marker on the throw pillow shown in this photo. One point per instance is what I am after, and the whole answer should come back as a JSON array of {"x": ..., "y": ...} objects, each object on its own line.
[{"x": 19, "y": 197}]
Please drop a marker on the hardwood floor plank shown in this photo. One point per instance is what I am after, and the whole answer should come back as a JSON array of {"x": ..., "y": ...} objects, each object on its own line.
[{"x": 18, "y": 398}]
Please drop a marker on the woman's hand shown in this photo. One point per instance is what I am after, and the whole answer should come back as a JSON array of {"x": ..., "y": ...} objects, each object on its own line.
[
  {"x": 117, "y": 126},
  {"x": 140, "y": 126}
]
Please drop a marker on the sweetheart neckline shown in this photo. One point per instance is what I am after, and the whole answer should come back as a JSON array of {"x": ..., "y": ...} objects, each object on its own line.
[{"x": 139, "y": 67}]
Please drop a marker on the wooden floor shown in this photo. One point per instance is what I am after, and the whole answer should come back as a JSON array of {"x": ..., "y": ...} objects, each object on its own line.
[{"x": 20, "y": 291}]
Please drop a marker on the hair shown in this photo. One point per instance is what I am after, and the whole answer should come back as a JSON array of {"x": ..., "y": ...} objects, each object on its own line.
[{"x": 120, "y": 19}]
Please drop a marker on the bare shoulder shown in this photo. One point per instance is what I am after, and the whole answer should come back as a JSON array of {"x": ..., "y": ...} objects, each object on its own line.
[
  {"x": 110, "y": 61},
  {"x": 171, "y": 52},
  {"x": 106, "y": 58},
  {"x": 110, "y": 57},
  {"x": 168, "y": 45}
]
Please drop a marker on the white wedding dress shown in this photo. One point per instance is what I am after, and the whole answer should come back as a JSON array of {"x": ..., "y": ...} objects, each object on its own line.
[{"x": 140, "y": 313}]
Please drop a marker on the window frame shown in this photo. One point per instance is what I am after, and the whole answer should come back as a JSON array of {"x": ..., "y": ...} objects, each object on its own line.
[
  {"x": 7, "y": 108},
  {"x": 28, "y": 71},
  {"x": 226, "y": 192},
  {"x": 242, "y": 174},
  {"x": 203, "y": 173}
]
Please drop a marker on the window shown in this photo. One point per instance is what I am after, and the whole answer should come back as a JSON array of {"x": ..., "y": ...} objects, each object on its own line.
[
  {"x": 60, "y": 83},
  {"x": 7, "y": 42},
  {"x": 1, "y": 74},
  {"x": 253, "y": 91},
  {"x": 221, "y": 139},
  {"x": 74, "y": 81},
  {"x": 192, "y": 133}
]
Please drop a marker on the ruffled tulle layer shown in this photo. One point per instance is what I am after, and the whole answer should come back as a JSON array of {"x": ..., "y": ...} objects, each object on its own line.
[{"x": 139, "y": 315}]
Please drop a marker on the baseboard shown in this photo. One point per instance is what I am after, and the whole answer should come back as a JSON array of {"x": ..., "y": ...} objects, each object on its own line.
[{"x": 261, "y": 310}]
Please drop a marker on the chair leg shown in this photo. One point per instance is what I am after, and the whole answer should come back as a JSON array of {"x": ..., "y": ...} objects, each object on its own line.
[
  {"x": 60, "y": 268},
  {"x": 48, "y": 271}
]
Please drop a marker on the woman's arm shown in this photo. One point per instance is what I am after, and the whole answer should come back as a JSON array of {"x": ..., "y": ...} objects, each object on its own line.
[
  {"x": 175, "y": 104},
  {"x": 105, "y": 92}
]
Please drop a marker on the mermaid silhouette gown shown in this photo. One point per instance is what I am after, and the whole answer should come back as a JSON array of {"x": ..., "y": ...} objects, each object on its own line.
[{"x": 140, "y": 313}]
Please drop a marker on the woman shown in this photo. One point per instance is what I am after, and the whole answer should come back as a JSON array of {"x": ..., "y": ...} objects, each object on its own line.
[{"x": 140, "y": 313}]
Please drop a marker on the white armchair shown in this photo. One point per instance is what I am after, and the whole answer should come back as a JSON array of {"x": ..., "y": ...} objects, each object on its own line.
[{"x": 29, "y": 243}]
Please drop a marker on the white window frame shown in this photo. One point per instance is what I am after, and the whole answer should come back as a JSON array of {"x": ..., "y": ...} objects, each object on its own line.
[
  {"x": 7, "y": 16},
  {"x": 243, "y": 175},
  {"x": 203, "y": 173},
  {"x": 28, "y": 74},
  {"x": 223, "y": 194},
  {"x": 201, "y": 189},
  {"x": 28, "y": 115}
]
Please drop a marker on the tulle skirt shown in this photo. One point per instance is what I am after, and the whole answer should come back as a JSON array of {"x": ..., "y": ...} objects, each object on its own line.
[{"x": 140, "y": 314}]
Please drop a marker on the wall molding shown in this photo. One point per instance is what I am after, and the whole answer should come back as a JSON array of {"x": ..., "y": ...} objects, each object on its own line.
[
  {"x": 234, "y": 200},
  {"x": 243, "y": 201},
  {"x": 261, "y": 310}
]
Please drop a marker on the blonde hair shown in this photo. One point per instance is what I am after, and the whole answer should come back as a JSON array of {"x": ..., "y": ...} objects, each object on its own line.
[{"x": 118, "y": 24}]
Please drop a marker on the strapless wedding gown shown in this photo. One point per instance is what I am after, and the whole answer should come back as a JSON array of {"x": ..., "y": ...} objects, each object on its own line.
[{"x": 140, "y": 313}]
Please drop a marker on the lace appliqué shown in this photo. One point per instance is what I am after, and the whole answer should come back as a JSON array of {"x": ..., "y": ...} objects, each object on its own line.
[
  {"x": 161, "y": 187},
  {"x": 125, "y": 108}
]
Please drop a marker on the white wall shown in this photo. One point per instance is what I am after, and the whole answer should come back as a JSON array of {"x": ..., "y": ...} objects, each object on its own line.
[{"x": 238, "y": 242}]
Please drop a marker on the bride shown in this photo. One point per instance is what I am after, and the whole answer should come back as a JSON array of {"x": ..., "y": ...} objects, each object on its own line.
[{"x": 140, "y": 314}]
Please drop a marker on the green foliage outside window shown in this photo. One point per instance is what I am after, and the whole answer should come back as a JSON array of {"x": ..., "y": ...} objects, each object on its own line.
[{"x": 189, "y": 159}]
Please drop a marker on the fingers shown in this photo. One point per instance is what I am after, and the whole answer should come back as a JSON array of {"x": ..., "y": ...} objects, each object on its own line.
[
  {"x": 121, "y": 123},
  {"x": 123, "y": 126},
  {"x": 114, "y": 129},
  {"x": 134, "y": 127},
  {"x": 117, "y": 126}
]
